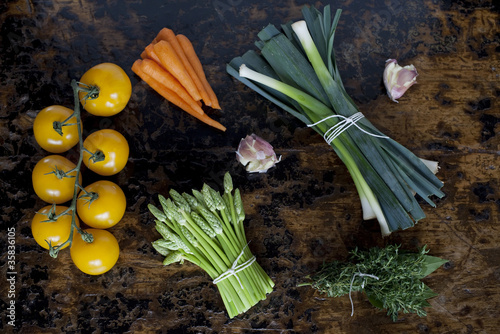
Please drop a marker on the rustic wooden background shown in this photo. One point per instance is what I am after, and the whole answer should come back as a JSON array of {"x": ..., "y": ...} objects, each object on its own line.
[{"x": 301, "y": 213}]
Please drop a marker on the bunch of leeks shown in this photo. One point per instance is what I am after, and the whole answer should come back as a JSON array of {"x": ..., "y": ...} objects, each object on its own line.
[{"x": 296, "y": 69}]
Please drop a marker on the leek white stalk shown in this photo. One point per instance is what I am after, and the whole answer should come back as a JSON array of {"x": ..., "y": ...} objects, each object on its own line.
[
  {"x": 300, "y": 29},
  {"x": 296, "y": 94},
  {"x": 432, "y": 165},
  {"x": 369, "y": 203}
]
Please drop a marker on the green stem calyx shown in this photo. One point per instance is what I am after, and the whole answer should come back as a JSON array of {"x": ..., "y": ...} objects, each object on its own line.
[
  {"x": 57, "y": 126},
  {"x": 60, "y": 174},
  {"x": 89, "y": 197},
  {"x": 97, "y": 156},
  {"x": 91, "y": 91}
]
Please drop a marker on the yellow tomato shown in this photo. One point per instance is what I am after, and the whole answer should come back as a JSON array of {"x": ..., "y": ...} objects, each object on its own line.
[
  {"x": 49, "y": 181},
  {"x": 96, "y": 257},
  {"x": 114, "y": 89},
  {"x": 56, "y": 232},
  {"x": 103, "y": 206},
  {"x": 114, "y": 148},
  {"x": 46, "y": 127}
]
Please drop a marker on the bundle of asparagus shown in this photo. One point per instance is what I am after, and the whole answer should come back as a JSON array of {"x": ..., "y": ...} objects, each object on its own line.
[{"x": 206, "y": 228}]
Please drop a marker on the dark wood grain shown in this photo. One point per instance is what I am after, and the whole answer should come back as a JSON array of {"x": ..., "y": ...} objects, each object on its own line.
[{"x": 302, "y": 212}]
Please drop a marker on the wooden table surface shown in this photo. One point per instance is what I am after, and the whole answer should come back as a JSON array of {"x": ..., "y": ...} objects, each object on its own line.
[{"x": 302, "y": 212}]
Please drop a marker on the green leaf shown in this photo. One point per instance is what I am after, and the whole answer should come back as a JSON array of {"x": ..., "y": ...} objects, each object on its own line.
[
  {"x": 428, "y": 293},
  {"x": 268, "y": 32},
  {"x": 374, "y": 301},
  {"x": 430, "y": 264}
]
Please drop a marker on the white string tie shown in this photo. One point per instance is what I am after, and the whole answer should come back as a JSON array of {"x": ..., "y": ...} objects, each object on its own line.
[
  {"x": 343, "y": 125},
  {"x": 235, "y": 268},
  {"x": 362, "y": 287}
]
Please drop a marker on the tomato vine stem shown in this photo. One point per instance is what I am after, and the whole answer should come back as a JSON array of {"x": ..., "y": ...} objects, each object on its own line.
[{"x": 92, "y": 93}]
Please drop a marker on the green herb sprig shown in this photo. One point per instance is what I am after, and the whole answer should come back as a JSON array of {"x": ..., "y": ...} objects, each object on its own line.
[
  {"x": 390, "y": 278},
  {"x": 206, "y": 228}
]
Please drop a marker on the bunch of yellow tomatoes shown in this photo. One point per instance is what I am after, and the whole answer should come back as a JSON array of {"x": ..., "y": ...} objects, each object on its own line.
[{"x": 104, "y": 90}]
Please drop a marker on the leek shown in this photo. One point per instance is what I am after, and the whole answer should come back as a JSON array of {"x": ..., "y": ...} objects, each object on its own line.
[
  {"x": 296, "y": 69},
  {"x": 206, "y": 228}
]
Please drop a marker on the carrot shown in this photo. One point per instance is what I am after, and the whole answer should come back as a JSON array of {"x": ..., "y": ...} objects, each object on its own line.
[
  {"x": 151, "y": 68},
  {"x": 158, "y": 87},
  {"x": 173, "y": 97},
  {"x": 188, "y": 48},
  {"x": 173, "y": 64},
  {"x": 168, "y": 35},
  {"x": 151, "y": 54}
]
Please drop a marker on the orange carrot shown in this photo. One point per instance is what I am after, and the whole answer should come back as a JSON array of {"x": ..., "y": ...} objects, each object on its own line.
[
  {"x": 173, "y": 97},
  {"x": 151, "y": 54},
  {"x": 173, "y": 64},
  {"x": 168, "y": 35},
  {"x": 159, "y": 88},
  {"x": 151, "y": 68},
  {"x": 195, "y": 62}
]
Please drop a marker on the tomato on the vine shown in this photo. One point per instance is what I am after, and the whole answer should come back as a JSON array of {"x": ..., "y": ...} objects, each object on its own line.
[
  {"x": 52, "y": 180},
  {"x": 109, "y": 149},
  {"x": 114, "y": 89},
  {"x": 55, "y": 232},
  {"x": 101, "y": 205},
  {"x": 96, "y": 257},
  {"x": 50, "y": 134}
]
